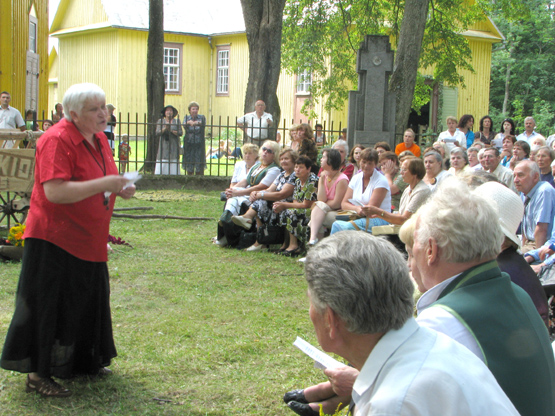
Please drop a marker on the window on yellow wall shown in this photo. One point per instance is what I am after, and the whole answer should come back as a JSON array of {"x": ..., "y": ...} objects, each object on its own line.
[
  {"x": 172, "y": 67},
  {"x": 222, "y": 74},
  {"x": 304, "y": 81}
]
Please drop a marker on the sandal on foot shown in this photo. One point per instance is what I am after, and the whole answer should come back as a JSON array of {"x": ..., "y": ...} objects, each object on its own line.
[
  {"x": 46, "y": 387},
  {"x": 292, "y": 253},
  {"x": 242, "y": 222}
]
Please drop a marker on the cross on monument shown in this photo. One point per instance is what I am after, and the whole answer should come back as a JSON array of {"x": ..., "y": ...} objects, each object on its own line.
[{"x": 372, "y": 107}]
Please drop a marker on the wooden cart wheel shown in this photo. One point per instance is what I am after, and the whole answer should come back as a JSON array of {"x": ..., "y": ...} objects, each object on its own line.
[{"x": 14, "y": 207}]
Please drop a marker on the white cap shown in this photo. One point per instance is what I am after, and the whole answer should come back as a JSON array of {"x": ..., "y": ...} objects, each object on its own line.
[{"x": 508, "y": 205}]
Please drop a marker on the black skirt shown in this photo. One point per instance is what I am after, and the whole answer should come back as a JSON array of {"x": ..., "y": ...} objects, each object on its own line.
[{"x": 62, "y": 324}]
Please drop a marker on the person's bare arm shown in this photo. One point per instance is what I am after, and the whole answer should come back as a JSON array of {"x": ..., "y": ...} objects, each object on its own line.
[
  {"x": 540, "y": 234},
  {"x": 345, "y": 204},
  {"x": 342, "y": 379},
  {"x": 340, "y": 190},
  {"x": 377, "y": 197},
  {"x": 59, "y": 191},
  {"x": 273, "y": 195}
]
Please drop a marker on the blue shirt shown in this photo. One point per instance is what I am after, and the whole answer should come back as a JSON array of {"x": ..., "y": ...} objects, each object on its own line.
[
  {"x": 540, "y": 209},
  {"x": 528, "y": 139},
  {"x": 469, "y": 138}
]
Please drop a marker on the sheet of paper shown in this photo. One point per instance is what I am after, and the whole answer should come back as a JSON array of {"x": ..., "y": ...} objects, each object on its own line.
[
  {"x": 131, "y": 177},
  {"x": 321, "y": 359}
]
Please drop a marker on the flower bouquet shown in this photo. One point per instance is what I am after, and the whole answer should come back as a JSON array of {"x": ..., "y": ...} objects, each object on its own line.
[{"x": 15, "y": 241}]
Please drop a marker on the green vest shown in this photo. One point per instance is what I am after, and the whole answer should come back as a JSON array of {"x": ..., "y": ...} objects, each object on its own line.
[
  {"x": 509, "y": 331},
  {"x": 253, "y": 180}
]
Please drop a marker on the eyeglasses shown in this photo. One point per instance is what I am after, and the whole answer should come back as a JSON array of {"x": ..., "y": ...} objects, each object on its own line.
[{"x": 265, "y": 149}]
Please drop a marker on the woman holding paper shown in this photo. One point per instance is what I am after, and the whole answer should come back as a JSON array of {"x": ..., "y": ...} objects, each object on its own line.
[{"x": 62, "y": 325}]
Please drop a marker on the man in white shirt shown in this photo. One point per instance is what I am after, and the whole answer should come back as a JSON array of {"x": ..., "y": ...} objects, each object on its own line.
[
  {"x": 10, "y": 118},
  {"x": 529, "y": 133},
  {"x": 255, "y": 125},
  {"x": 404, "y": 369}
]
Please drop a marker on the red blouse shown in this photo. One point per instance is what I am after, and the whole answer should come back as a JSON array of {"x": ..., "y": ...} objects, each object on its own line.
[{"x": 80, "y": 228}]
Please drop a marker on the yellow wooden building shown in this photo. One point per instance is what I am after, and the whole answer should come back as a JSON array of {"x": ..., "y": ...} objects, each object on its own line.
[
  {"x": 24, "y": 53},
  {"x": 206, "y": 60}
]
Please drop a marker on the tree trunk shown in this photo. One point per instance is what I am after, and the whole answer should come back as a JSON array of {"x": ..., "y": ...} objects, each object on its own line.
[
  {"x": 407, "y": 59},
  {"x": 263, "y": 23},
  {"x": 155, "y": 86},
  {"x": 507, "y": 84}
]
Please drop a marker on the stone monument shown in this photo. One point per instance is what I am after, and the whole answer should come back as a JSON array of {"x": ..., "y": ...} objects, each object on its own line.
[{"x": 372, "y": 107}]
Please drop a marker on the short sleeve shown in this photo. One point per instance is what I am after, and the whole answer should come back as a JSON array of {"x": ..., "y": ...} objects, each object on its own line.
[
  {"x": 55, "y": 160},
  {"x": 418, "y": 199},
  {"x": 270, "y": 176}
]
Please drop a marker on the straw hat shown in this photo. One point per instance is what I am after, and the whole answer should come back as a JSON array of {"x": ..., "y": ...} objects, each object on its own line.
[{"x": 507, "y": 203}]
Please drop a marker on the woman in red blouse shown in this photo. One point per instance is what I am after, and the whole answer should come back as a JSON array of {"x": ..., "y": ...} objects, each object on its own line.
[{"x": 62, "y": 325}]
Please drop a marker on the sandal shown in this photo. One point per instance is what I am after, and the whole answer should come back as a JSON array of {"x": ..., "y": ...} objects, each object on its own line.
[
  {"x": 46, "y": 387},
  {"x": 292, "y": 253}
]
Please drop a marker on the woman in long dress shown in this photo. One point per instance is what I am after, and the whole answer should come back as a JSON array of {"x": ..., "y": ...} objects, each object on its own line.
[
  {"x": 169, "y": 131},
  {"x": 193, "y": 142}
]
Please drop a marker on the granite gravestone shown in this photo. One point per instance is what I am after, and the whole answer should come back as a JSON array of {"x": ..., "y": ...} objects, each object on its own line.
[{"x": 372, "y": 107}]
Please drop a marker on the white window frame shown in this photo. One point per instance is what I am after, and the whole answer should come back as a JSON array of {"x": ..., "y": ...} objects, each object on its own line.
[
  {"x": 223, "y": 54},
  {"x": 173, "y": 65},
  {"x": 304, "y": 82},
  {"x": 33, "y": 24}
]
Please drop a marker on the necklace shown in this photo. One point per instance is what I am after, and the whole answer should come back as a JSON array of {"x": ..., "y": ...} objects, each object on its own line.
[{"x": 102, "y": 168}]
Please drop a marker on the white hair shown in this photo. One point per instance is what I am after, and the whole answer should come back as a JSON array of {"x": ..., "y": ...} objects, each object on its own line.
[
  {"x": 363, "y": 279},
  {"x": 343, "y": 143},
  {"x": 464, "y": 225},
  {"x": 77, "y": 95}
]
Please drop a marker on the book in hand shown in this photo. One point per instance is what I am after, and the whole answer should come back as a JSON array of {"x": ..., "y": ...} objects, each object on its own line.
[{"x": 321, "y": 359}]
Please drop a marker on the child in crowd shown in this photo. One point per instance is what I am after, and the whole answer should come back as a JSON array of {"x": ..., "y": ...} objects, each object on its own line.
[{"x": 124, "y": 151}]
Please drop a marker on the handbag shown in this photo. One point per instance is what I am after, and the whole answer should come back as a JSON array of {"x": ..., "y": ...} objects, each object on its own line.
[
  {"x": 347, "y": 215},
  {"x": 270, "y": 234}
]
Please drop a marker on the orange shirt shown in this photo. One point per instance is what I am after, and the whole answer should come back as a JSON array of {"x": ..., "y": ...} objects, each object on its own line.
[{"x": 415, "y": 149}]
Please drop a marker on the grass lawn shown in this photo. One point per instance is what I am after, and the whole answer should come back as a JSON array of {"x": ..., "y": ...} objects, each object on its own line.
[{"x": 199, "y": 330}]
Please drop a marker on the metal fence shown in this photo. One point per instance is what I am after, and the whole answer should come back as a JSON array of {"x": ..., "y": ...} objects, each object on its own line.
[{"x": 222, "y": 139}]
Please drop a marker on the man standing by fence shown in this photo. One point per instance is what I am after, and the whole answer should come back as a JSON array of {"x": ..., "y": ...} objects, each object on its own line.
[
  {"x": 255, "y": 125},
  {"x": 10, "y": 118}
]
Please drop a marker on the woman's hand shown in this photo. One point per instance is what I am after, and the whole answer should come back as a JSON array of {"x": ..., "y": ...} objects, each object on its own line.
[
  {"x": 388, "y": 167},
  {"x": 371, "y": 211},
  {"x": 254, "y": 196},
  {"x": 128, "y": 192},
  {"x": 279, "y": 206},
  {"x": 115, "y": 184}
]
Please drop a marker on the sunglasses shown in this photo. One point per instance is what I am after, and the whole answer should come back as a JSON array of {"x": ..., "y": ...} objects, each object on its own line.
[{"x": 265, "y": 149}]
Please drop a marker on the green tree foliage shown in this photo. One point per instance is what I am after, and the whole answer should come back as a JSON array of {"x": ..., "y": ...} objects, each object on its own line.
[
  {"x": 324, "y": 36},
  {"x": 522, "y": 68}
]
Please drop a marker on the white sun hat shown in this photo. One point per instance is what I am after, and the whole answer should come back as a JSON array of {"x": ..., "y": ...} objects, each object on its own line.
[{"x": 508, "y": 205}]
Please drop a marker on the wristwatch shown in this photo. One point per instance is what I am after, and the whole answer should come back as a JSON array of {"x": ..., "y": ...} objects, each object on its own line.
[{"x": 262, "y": 195}]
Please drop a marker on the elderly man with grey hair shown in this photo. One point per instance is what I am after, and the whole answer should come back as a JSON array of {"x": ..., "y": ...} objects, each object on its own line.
[
  {"x": 361, "y": 303},
  {"x": 539, "y": 204},
  {"x": 457, "y": 239},
  {"x": 492, "y": 164}
]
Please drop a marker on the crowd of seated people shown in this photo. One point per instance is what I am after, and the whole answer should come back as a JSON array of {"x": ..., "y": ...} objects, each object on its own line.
[{"x": 454, "y": 200}]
